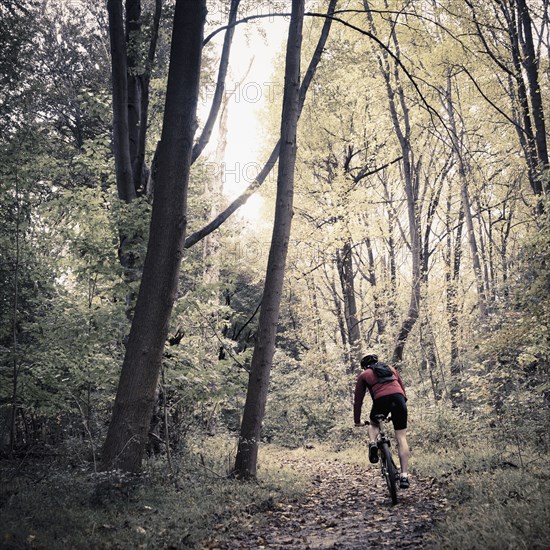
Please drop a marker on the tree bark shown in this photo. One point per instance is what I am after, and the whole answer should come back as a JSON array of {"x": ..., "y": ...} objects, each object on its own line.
[
  {"x": 530, "y": 64},
  {"x": 256, "y": 397},
  {"x": 127, "y": 435},
  {"x": 121, "y": 140},
  {"x": 344, "y": 263}
]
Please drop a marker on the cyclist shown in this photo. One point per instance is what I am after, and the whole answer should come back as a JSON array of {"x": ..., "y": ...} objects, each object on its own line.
[{"x": 387, "y": 396}]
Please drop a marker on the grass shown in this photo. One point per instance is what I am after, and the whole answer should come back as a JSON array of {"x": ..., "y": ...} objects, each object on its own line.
[
  {"x": 497, "y": 508},
  {"x": 57, "y": 507},
  {"x": 498, "y": 489},
  {"x": 498, "y": 499}
]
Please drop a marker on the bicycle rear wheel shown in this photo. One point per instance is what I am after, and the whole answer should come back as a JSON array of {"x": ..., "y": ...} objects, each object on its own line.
[{"x": 389, "y": 472}]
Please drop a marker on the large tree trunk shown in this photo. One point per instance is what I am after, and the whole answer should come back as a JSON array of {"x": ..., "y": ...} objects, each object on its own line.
[
  {"x": 256, "y": 397},
  {"x": 130, "y": 93},
  {"x": 127, "y": 435}
]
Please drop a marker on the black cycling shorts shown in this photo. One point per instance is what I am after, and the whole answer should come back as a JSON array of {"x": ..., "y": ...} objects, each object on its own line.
[{"x": 394, "y": 404}]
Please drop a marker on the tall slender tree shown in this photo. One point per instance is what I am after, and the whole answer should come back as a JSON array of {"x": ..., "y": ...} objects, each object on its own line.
[
  {"x": 400, "y": 115},
  {"x": 258, "y": 383}
]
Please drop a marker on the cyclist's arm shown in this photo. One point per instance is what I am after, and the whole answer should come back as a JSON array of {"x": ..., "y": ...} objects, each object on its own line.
[{"x": 360, "y": 390}]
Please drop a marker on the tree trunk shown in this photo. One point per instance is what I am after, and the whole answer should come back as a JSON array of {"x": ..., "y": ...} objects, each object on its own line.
[
  {"x": 127, "y": 435},
  {"x": 344, "y": 264},
  {"x": 140, "y": 171},
  {"x": 518, "y": 28},
  {"x": 391, "y": 263},
  {"x": 530, "y": 64},
  {"x": 402, "y": 128},
  {"x": 320, "y": 342},
  {"x": 340, "y": 317},
  {"x": 130, "y": 92},
  {"x": 429, "y": 357},
  {"x": 121, "y": 140},
  {"x": 373, "y": 280},
  {"x": 247, "y": 454},
  {"x": 135, "y": 85},
  {"x": 466, "y": 203},
  {"x": 452, "y": 274}
]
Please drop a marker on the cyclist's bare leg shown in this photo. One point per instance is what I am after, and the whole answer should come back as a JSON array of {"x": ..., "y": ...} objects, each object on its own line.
[
  {"x": 374, "y": 430},
  {"x": 402, "y": 449}
]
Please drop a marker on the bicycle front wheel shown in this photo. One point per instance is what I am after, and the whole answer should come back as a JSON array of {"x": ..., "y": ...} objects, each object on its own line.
[{"x": 389, "y": 472}]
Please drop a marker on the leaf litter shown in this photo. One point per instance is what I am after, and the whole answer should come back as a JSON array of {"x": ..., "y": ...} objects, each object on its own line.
[{"x": 347, "y": 507}]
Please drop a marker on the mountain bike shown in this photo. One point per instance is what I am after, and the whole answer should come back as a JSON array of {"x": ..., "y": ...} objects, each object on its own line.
[{"x": 387, "y": 466}]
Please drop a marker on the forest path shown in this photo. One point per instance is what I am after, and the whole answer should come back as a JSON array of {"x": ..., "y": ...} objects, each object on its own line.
[{"x": 347, "y": 507}]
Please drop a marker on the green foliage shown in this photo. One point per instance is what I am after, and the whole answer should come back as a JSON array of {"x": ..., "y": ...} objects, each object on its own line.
[
  {"x": 307, "y": 399},
  {"x": 497, "y": 509},
  {"x": 53, "y": 506}
]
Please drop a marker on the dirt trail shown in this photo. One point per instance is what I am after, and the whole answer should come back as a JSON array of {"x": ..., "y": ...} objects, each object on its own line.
[{"x": 347, "y": 507}]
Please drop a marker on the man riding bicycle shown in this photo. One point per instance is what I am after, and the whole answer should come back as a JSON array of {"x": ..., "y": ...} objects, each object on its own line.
[{"x": 388, "y": 396}]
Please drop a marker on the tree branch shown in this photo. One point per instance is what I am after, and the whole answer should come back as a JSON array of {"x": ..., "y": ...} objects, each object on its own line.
[
  {"x": 195, "y": 237},
  {"x": 220, "y": 84}
]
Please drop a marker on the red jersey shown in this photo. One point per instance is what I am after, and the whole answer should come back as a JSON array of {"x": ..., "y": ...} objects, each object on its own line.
[{"x": 368, "y": 379}]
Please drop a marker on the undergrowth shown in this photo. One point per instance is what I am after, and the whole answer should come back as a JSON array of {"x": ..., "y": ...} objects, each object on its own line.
[
  {"x": 54, "y": 506},
  {"x": 496, "y": 484}
]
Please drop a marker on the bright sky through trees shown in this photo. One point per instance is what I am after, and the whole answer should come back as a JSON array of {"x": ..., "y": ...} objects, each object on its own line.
[{"x": 249, "y": 91}]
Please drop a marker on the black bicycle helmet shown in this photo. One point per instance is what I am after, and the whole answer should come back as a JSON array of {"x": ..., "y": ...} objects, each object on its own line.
[{"x": 369, "y": 360}]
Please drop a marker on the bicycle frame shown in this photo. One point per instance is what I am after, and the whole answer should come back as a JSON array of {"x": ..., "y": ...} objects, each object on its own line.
[{"x": 387, "y": 465}]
